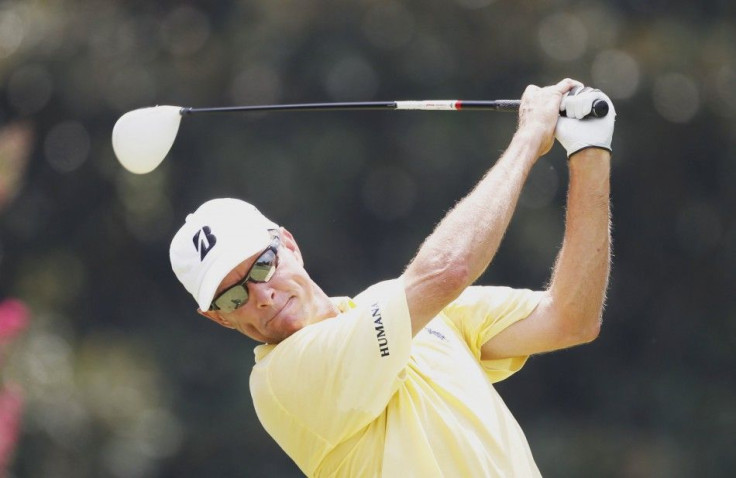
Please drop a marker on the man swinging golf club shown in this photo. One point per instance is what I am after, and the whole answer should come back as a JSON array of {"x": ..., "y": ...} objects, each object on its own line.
[{"x": 398, "y": 380}]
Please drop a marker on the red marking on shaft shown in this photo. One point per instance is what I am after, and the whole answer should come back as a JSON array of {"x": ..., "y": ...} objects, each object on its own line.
[{"x": 458, "y": 105}]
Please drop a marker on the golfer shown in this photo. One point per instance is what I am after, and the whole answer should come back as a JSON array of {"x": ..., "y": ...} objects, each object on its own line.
[{"x": 398, "y": 380}]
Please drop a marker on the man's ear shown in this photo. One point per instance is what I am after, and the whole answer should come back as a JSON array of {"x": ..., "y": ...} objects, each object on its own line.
[
  {"x": 215, "y": 316},
  {"x": 288, "y": 241}
]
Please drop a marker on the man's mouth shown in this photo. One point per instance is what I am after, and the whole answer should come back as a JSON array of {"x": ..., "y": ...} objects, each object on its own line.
[{"x": 278, "y": 312}]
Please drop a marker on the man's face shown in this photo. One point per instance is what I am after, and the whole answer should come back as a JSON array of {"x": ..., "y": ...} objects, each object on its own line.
[{"x": 277, "y": 308}]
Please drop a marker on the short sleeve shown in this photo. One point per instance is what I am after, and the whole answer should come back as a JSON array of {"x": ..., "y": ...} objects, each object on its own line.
[
  {"x": 482, "y": 312},
  {"x": 348, "y": 366}
]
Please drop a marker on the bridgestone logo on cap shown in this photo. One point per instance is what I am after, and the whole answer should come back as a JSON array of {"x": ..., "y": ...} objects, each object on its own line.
[{"x": 206, "y": 244}]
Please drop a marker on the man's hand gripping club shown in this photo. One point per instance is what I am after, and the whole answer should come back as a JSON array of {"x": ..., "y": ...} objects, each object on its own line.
[{"x": 576, "y": 134}]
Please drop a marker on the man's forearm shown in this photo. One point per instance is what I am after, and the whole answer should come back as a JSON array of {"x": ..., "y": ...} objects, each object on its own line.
[
  {"x": 477, "y": 224},
  {"x": 580, "y": 276},
  {"x": 464, "y": 243}
]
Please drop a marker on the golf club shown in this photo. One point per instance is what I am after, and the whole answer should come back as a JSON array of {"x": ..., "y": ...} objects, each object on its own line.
[{"x": 142, "y": 138}]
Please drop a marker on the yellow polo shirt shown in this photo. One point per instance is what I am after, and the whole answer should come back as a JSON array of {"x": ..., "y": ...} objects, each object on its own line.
[{"x": 356, "y": 396}]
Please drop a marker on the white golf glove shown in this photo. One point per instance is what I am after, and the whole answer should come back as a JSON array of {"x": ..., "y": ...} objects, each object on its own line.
[{"x": 575, "y": 132}]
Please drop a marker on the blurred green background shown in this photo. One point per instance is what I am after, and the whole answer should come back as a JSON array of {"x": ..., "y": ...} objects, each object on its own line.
[{"x": 123, "y": 379}]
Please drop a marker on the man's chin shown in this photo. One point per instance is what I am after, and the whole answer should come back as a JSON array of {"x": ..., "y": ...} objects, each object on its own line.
[{"x": 285, "y": 327}]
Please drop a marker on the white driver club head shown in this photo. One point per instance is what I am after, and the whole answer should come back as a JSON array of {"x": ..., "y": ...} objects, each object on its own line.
[{"x": 141, "y": 138}]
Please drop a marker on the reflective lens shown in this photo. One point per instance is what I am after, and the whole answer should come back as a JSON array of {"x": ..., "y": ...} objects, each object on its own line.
[
  {"x": 261, "y": 271},
  {"x": 264, "y": 267}
]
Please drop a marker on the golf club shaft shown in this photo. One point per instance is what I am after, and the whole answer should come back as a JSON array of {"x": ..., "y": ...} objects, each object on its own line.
[
  {"x": 445, "y": 105},
  {"x": 600, "y": 108}
]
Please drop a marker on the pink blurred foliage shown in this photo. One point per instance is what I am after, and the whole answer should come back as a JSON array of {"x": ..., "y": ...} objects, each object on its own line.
[
  {"x": 16, "y": 141},
  {"x": 11, "y": 410},
  {"x": 14, "y": 318}
]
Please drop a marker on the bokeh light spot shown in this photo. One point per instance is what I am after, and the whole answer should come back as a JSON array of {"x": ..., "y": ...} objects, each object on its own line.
[
  {"x": 429, "y": 60},
  {"x": 67, "y": 146},
  {"x": 12, "y": 31},
  {"x": 29, "y": 89},
  {"x": 139, "y": 38},
  {"x": 352, "y": 78},
  {"x": 185, "y": 31},
  {"x": 148, "y": 211},
  {"x": 617, "y": 73},
  {"x": 43, "y": 284},
  {"x": 16, "y": 143},
  {"x": 676, "y": 97},
  {"x": 158, "y": 432},
  {"x": 257, "y": 84},
  {"x": 389, "y": 25},
  {"x": 131, "y": 88},
  {"x": 563, "y": 36}
]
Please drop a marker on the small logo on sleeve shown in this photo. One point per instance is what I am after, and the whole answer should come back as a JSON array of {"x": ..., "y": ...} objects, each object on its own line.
[
  {"x": 204, "y": 244},
  {"x": 436, "y": 333},
  {"x": 380, "y": 331}
]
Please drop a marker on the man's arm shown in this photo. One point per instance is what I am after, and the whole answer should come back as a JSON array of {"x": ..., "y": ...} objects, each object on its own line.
[
  {"x": 461, "y": 247},
  {"x": 570, "y": 312}
]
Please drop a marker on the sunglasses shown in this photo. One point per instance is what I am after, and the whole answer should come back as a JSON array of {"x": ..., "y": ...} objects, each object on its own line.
[{"x": 262, "y": 270}]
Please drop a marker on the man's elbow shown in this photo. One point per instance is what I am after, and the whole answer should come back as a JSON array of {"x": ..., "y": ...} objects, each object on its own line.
[
  {"x": 432, "y": 285},
  {"x": 582, "y": 329},
  {"x": 574, "y": 326},
  {"x": 591, "y": 330},
  {"x": 575, "y": 322},
  {"x": 451, "y": 281},
  {"x": 443, "y": 274}
]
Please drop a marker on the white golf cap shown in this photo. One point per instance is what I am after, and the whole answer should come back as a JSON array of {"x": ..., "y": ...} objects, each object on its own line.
[{"x": 214, "y": 239}]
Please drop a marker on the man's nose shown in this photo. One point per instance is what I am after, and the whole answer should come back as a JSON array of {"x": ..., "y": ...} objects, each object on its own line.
[{"x": 261, "y": 293}]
